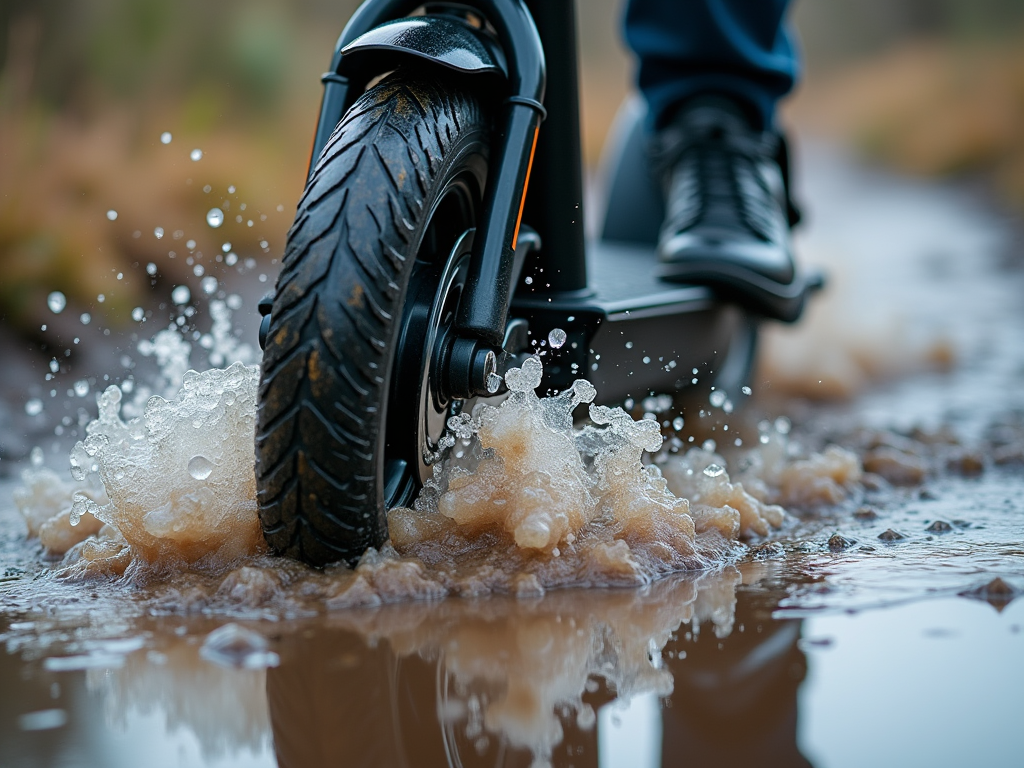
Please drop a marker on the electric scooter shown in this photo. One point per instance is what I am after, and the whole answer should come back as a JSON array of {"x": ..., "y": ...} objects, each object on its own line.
[{"x": 418, "y": 268}]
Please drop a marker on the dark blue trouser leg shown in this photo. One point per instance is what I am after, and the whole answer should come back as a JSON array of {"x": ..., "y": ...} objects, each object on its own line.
[{"x": 738, "y": 47}]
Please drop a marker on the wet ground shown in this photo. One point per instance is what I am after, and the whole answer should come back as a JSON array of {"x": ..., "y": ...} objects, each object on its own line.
[{"x": 881, "y": 631}]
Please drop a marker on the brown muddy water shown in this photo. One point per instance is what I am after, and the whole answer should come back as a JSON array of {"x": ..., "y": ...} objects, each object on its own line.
[{"x": 827, "y": 584}]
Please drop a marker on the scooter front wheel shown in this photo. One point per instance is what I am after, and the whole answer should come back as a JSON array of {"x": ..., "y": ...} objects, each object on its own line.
[{"x": 348, "y": 420}]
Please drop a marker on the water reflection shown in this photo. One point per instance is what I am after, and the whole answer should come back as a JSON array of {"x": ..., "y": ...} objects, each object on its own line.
[
  {"x": 692, "y": 669},
  {"x": 513, "y": 682}
]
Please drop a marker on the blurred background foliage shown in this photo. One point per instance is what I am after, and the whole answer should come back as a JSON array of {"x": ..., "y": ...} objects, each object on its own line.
[{"x": 87, "y": 87}]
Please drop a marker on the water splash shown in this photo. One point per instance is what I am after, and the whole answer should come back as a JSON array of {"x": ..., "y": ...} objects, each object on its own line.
[
  {"x": 166, "y": 514},
  {"x": 56, "y": 301},
  {"x": 526, "y": 504}
]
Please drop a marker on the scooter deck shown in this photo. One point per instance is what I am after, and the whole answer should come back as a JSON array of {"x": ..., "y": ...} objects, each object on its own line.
[{"x": 632, "y": 334}]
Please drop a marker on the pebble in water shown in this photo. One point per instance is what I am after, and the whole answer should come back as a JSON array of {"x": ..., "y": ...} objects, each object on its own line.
[
  {"x": 890, "y": 535},
  {"x": 997, "y": 592},
  {"x": 837, "y": 542},
  {"x": 215, "y": 217},
  {"x": 56, "y": 301},
  {"x": 939, "y": 526},
  {"x": 865, "y": 513},
  {"x": 771, "y": 550},
  {"x": 556, "y": 338}
]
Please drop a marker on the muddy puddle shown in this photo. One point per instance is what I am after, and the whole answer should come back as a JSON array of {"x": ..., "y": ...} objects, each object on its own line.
[{"x": 788, "y": 581}]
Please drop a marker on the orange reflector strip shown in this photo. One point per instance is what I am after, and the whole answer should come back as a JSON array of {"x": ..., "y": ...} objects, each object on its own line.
[{"x": 526, "y": 185}]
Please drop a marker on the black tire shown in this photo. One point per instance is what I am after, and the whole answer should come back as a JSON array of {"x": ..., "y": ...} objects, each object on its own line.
[{"x": 398, "y": 183}]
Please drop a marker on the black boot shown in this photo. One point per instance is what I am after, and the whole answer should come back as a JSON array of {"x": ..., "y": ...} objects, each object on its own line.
[{"x": 728, "y": 213}]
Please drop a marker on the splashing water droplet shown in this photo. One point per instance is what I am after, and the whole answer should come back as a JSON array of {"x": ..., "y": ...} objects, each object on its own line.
[
  {"x": 200, "y": 467},
  {"x": 493, "y": 382},
  {"x": 215, "y": 217},
  {"x": 234, "y": 301},
  {"x": 196, "y": 155},
  {"x": 718, "y": 398},
  {"x": 714, "y": 470},
  {"x": 746, "y": 390},
  {"x": 528, "y": 280},
  {"x": 81, "y": 387},
  {"x": 34, "y": 407},
  {"x": 181, "y": 295},
  {"x": 54, "y": 365},
  {"x": 782, "y": 425},
  {"x": 111, "y": 214},
  {"x": 527, "y": 378},
  {"x": 209, "y": 285},
  {"x": 198, "y": 270},
  {"x": 165, "y": 137},
  {"x": 629, "y": 345},
  {"x": 158, "y": 232},
  {"x": 36, "y": 457},
  {"x": 151, "y": 268},
  {"x": 56, "y": 301},
  {"x": 556, "y": 338},
  {"x": 137, "y": 314},
  {"x": 677, "y": 423},
  {"x": 85, "y": 318}
]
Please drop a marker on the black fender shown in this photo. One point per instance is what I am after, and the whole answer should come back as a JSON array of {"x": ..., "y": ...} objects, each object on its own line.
[{"x": 445, "y": 40}]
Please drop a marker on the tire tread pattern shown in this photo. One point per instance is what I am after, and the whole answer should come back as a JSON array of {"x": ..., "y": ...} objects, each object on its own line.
[{"x": 346, "y": 266}]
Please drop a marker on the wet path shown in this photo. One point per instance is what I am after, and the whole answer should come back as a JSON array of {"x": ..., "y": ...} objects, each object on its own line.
[{"x": 899, "y": 650}]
